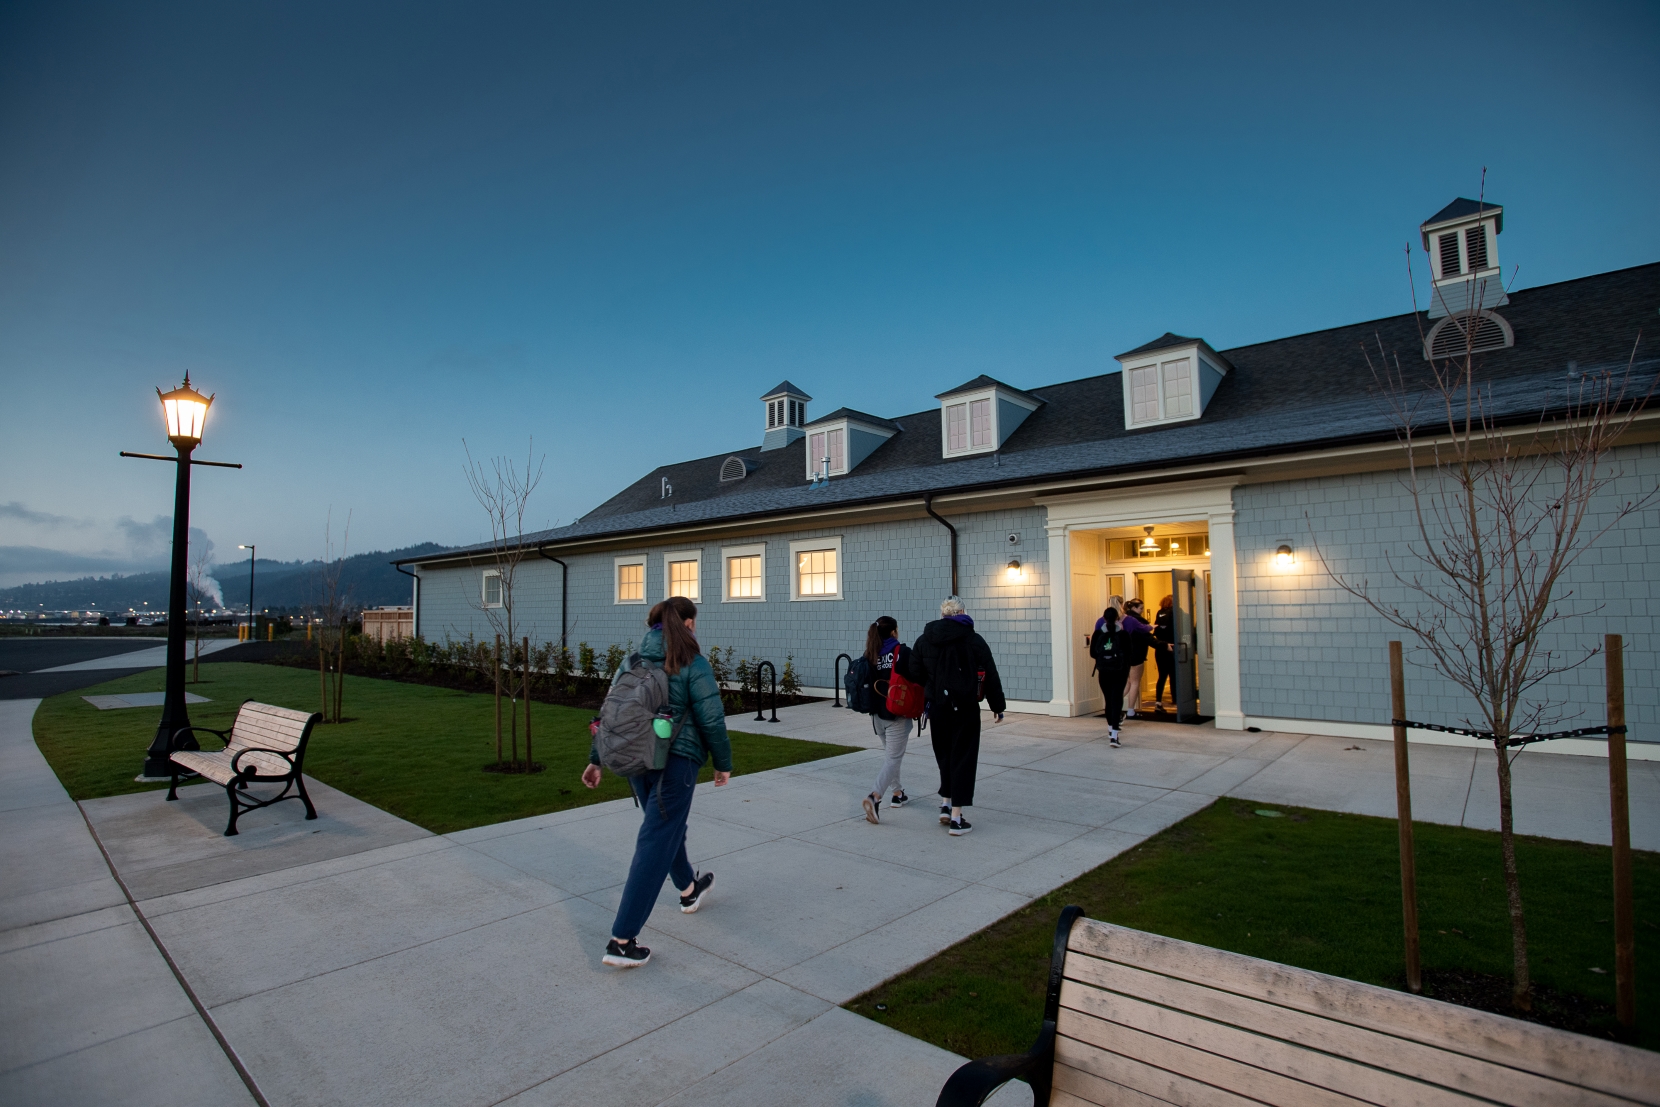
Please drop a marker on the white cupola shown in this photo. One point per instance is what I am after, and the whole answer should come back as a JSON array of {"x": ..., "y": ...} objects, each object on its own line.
[
  {"x": 786, "y": 412},
  {"x": 1462, "y": 240}
]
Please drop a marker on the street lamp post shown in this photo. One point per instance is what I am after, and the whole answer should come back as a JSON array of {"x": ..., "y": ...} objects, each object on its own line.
[
  {"x": 253, "y": 552},
  {"x": 185, "y": 411}
]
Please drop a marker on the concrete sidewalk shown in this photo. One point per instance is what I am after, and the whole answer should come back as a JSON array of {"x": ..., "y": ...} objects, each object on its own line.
[{"x": 360, "y": 960}]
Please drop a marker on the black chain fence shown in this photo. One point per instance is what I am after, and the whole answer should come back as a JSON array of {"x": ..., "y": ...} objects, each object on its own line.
[{"x": 1514, "y": 739}]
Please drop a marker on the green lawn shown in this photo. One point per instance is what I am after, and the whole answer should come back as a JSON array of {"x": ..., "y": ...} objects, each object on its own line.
[
  {"x": 415, "y": 751},
  {"x": 1315, "y": 889}
]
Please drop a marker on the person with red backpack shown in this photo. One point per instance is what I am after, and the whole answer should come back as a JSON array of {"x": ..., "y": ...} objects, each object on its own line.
[
  {"x": 662, "y": 719},
  {"x": 896, "y": 702},
  {"x": 955, "y": 665}
]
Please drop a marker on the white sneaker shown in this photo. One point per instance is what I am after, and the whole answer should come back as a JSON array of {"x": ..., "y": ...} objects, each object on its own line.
[{"x": 1112, "y": 735}]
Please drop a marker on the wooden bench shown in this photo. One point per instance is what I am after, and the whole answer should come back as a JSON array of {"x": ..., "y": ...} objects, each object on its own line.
[
  {"x": 1136, "y": 1019},
  {"x": 266, "y": 745}
]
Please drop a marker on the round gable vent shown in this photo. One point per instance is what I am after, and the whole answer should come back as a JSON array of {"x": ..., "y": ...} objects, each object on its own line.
[
  {"x": 734, "y": 468},
  {"x": 1453, "y": 337}
]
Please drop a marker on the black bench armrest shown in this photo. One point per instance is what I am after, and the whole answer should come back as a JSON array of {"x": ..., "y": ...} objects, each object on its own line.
[
  {"x": 975, "y": 1082},
  {"x": 173, "y": 742},
  {"x": 286, "y": 755}
]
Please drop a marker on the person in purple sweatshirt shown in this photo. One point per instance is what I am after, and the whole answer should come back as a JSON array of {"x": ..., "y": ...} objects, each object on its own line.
[{"x": 1140, "y": 635}]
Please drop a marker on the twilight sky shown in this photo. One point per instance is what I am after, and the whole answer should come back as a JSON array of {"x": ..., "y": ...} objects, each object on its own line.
[{"x": 375, "y": 230}]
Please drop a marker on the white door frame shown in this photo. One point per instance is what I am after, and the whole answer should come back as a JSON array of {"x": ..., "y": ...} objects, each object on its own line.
[{"x": 1207, "y": 501}]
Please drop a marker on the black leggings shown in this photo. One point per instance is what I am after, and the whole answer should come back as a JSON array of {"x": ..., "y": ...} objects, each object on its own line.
[
  {"x": 1112, "y": 690},
  {"x": 1167, "y": 672}
]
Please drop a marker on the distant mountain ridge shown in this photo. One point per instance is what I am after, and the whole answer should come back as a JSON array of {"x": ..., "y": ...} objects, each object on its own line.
[{"x": 366, "y": 580}]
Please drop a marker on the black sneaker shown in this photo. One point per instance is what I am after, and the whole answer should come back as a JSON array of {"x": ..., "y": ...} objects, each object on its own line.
[
  {"x": 945, "y": 813},
  {"x": 625, "y": 955},
  {"x": 699, "y": 896},
  {"x": 873, "y": 808},
  {"x": 900, "y": 799},
  {"x": 959, "y": 827}
]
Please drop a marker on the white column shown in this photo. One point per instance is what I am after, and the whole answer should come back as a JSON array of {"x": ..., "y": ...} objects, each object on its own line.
[
  {"x": 1225, "y": 612},
  {"x": 1060, "y": 621}
]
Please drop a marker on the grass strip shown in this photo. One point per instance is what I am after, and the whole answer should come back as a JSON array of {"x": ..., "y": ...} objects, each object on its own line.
[
  {"x": 1318, "y": 890},
  {"x": 416, "y": 751}
]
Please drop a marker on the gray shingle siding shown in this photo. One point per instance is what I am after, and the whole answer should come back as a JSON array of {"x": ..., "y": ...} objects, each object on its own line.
[
  {"x": 901, "y": 569},
  {"x": 1309, "y": 650}
]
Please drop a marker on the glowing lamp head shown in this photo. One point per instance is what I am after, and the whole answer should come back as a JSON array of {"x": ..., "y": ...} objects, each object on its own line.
[
  {"x": 1149, "y": 543},
  {"x": 186, "y": 412},
  {"x": 1014, "y": 569},
  {"x": 1283, "y": 557}
]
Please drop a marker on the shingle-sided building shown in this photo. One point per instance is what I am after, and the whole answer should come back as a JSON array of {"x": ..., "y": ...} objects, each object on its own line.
[{"x": 1224, "y": 476}]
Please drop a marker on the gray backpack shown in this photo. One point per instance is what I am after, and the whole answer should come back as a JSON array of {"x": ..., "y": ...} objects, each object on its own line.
[{"x": 626, "y": 741}]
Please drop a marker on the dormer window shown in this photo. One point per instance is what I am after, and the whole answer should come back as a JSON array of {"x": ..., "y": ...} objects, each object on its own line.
[
  {"x": 1462, "y": 242},
  {"x": 979, "y": 417},
  {"x": 837, "y": 442},
  {"x": 1170, "y": 380}
]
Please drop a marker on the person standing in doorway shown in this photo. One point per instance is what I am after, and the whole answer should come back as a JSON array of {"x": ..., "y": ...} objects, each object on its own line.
[
  {"x": 1139, "y": 639},
  {"x": 664, "y": 793},
  {"x": 1110, "y": 648},
  {"x": 1164, "y": 650},
  {"x": 956, "y": 666},
  {"x": 887, "y": 656}
]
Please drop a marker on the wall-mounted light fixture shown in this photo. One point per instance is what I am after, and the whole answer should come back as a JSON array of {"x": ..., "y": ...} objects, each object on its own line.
[
  {"x": 1014, "y": 568},
  {"x": 1283, "y": 557}
]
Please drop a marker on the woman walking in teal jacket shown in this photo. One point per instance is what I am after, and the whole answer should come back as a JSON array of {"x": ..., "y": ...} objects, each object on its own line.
[{"x": 665, "y": 792}]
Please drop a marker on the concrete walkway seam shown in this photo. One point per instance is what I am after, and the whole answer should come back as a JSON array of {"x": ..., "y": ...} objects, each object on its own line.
[{"x": 155, "y": 939}]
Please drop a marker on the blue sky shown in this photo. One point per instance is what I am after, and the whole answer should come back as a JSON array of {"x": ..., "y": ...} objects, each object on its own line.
[{"x": 377, "y": 230}]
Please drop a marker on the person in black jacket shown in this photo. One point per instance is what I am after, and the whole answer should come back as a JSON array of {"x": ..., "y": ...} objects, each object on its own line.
[
  {"x": 956, "y": 667},
  {"x": 1110, "y": 648},
  {"x": 887, "y": 655},
  {"x": 1164, "y": 647}
]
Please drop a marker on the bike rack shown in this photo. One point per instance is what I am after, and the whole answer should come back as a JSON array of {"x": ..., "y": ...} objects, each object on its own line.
[
  {"x": 773, "y": 671},
  {"x": 840, "y": 657}
]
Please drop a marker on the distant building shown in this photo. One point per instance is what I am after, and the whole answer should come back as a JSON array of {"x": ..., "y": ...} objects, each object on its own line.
[
  {"x": 1180, "y": 463},
  {"x": 386, "y": 624}
]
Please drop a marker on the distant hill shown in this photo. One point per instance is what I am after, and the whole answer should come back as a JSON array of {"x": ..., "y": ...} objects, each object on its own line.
[{"x": 366, "y": 580}]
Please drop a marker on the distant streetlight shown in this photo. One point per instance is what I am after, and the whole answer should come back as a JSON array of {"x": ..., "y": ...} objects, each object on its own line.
[
  {"x": 252, "y": 553},
  {"x": 185, "y": 411}
]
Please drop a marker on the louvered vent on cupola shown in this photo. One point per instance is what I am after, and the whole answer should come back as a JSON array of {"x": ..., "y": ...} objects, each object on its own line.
[
  {"x": 1458, "y": 335},
  {"x": 735, "y": 468}
]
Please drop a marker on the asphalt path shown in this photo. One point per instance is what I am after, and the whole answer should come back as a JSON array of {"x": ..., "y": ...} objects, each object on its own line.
[{"x": 25, "y": 656}]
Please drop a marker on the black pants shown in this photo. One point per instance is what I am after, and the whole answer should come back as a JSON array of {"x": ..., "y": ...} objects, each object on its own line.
[
  {"x": 1167, "y": 672},
  {"x": 956, "y": 748},
  {"x": 1112, "y": 690}
]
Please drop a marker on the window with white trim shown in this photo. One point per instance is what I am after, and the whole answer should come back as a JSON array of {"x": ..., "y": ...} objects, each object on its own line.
[
  {"x": 490, "y": 588},
  {"x": 816, "y": 569},
  {"x": 744, "y": 574},
  {"x": 682, "y": 573},
  {"x": 830, "y": 443},
  {"x": 629, "y": 577},
  {"x": 1162, "y": 391}
]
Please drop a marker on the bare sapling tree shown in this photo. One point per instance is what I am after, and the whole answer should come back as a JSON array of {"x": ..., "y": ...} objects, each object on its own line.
[
  {"x": 503, "y": 489},
  {"x": 333, "y": 614},
  {"x": 1503, "y": 506},
  {"x": 202, "y": 586}
]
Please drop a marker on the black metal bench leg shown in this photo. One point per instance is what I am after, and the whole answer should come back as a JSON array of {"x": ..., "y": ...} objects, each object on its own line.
[
  {"x": 310, "y": 811},
  {"x": 173, "y": 788},
  {"x": 230, "y": 794}
]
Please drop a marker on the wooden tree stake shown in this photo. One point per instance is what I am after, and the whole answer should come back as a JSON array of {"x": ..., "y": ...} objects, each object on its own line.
[
  {"x": 529, "y": 762},
  {"x": 1403, "y": 819},
  {"x": 1625, "y": 941},
  {"x": 497, "y": 667}
]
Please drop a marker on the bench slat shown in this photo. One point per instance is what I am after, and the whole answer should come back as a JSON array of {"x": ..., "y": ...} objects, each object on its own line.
[
  {"x": 1451, "y": 1069},
  {"x": 1309, "y": 1066},
  {"x": 214, "y": 766},
  {"x": 1138, "y": 1048},
  {"x": 1075, "y": 1088},
  {"x": 1112, "y": 1066},
  {"x": 1574, "y": 1059}
]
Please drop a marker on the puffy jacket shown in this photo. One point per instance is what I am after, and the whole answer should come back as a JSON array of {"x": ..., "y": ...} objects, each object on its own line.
[
  {"x": 927, "y": 659},
  {"x": 702, "y": 732}
]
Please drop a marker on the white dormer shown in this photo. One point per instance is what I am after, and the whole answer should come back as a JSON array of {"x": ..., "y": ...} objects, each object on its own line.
[
  {"x": 1170, "y": 380},
  {"x": 978, "y": 417},
  {"x": 1463, "y": 244},
  {"x": 839, "y": 441},
  {"x": 786, "y": 413}
]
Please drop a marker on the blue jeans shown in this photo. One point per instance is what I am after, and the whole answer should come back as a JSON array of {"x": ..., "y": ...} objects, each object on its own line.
[{"x": 665, "y": 796}]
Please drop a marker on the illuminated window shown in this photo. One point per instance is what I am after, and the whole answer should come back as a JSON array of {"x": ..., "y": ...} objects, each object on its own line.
[
  {"x": 492, "y": 588},
  {"x": 817, "y": 572},
  {"x": 631, "y": 580},
  {"x": 683, "y": 579},
  {"x": 743, "y": 578}
]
